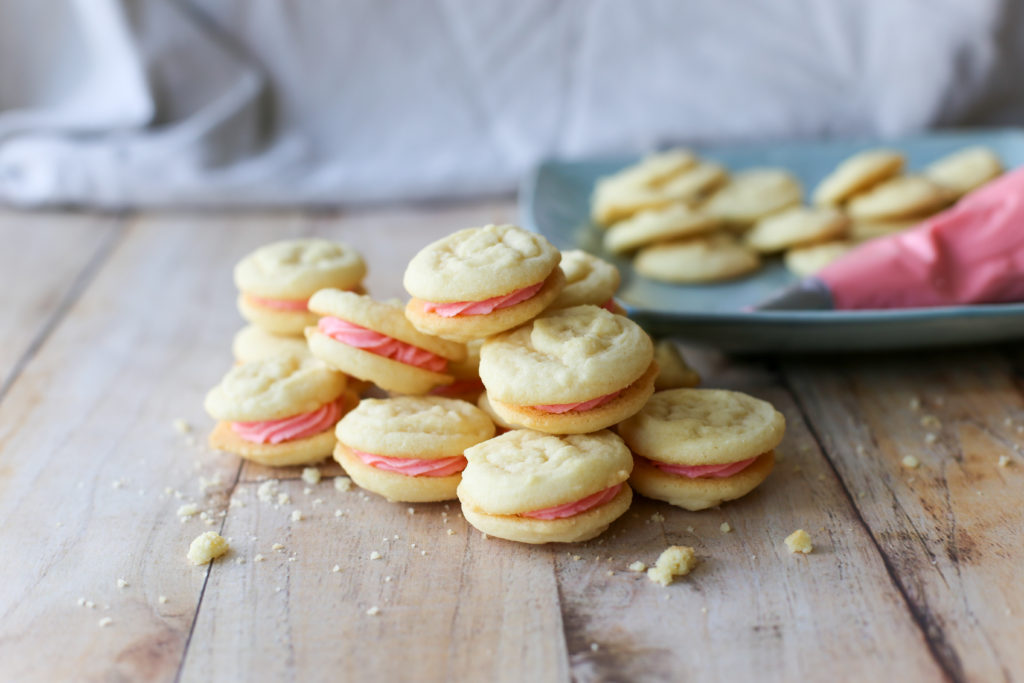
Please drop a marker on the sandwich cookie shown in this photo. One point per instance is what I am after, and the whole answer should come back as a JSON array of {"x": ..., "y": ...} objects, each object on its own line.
[
  {"x": 588, "y": 280},
  {"x": 278, "y": 411},
  {"x": 466, "y": 373},
  {"x": 571, "y": 371},
  {"x": 276, "y": 281},
  {"x": 253, "y": 343},
  {"x": 696, "y": 448},
  {"x": 540, "y": 488},
  {"x": 481, "y": 281},
  {"x": 373, "y": 341},
  {"x": 410, "y": 448}
]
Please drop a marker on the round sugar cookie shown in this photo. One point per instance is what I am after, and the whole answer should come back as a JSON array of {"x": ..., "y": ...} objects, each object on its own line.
[
  {"x": 805, "y": 261},
  {"x": 703, "y": 427},
  {"x": 294, "y": 269},
  {"x": 900, "y": 197},
  {"x": 799, "y": 226},
  {"x": 700, "y": 259},
  {"x": 673, "y": 370},
  {"x": 307, "y": 451},
  {"x": 639, "y": 187},
  {"x": 857, "y": 174},
  {"x": 657, "y": 225},
  {"x": 477, "y": 264},
  {"x": 393, "y": 486},
  {"x": 656, "y": 169},
  {"x": 753, "y": 194},
  {"x": 702, "y": 492},
  {"x": 588, "y": 280},
  {"x": 274, "y": 388},
  {"x": 253, "y": 343},
  {"x": 273, "y": 320},
  {"x": 695, "y": 184},
  {"x": 965, "y": 170}
]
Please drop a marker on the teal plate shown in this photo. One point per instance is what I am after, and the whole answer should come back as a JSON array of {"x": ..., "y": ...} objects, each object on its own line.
[{"x": 555, "y": 201}]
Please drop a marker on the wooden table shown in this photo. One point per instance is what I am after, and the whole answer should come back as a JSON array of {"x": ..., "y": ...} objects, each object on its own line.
[{"x": 113, "y": 327}]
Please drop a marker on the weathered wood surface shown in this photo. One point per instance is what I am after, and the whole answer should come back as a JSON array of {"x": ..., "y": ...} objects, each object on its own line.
[{"x": 914, "y": 576}]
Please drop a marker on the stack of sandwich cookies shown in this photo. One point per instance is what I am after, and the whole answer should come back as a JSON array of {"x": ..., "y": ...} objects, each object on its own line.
[
  {"x": 253, "y": 343},
  {"x": 696, "y": 448},
  {"x": 571, "y": 371},
  {"x": 276, "y": 281},
  {"x": 539, "y": 488},
  {"x": 278, "y": 411},
  {"x": 588, "y": 280},
  {"x": 410, "y": 449},
  {"x": 481, "y": 281},
  {"x": 373, "y": 341}
]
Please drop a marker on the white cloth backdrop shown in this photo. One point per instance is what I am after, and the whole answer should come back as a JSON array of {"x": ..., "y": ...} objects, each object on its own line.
[{"x": 229, "y": 102}]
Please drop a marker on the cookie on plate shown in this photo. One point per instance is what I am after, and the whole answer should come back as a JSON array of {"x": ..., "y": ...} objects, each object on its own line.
[
  {"x": 719, "y": 256},
  {"x": 673, "y": 370},
  {"x": 805, "y": 261},
  {"x": 540, "y": 488},
  {"x": 907, "y": 196},
  {"x": 277, "y": 411},
  {"x": 965, "y": 170},
  {"x": 570, "y": 371},
  {"x": 639, "y": 187},
  {"x": 752, "y": 194},
  {"x": 373, "y": 341},
  {"x": 864, "y": 230},
  {"x": 697, "y": 448},
  {"x": 696, "y": 183},
  {"x": 588, "y": 280},
  {"x": 797, "y": 227},
  {"x": 254, "y": 343},
  {"x": 673, "y": 222},
  {"x": 276, "y": 281},
  {"x": 857, "y": 174},
  {"x": 410, "y": 449},
  {"x": 481, "y": 281}
]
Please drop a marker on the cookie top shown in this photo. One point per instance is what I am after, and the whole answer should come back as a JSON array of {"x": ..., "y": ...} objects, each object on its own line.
[
  {"x": 253, "y": 343},
  {"x": 414, "y": 427},
  {"x": 703, "y": 427},
  {"x": 798, "y": 226},
  {"x": 522, "y": 470},
  {"x": 565, "y": 356},
  {"x": 386, "y": 317},
  {"x": 588, "y": 280},
  {"x": 858, "y": 173},
  {"x": 714, "y": 257},
  {"x": 480, "y": 263},
  {"x": 753, "y": 194},
  {"x": 294, "y": 269},
  {"x": 965, "y": 170},
  {"x": 657, "y": 225},
  {"x": 900, "y": 197},
  {"x": 276, "y": 387},
  {"x": 695, "y": 183}
]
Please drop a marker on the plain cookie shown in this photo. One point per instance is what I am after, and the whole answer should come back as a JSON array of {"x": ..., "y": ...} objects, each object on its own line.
[
  {"x": 797, "y": 227},
  {"x": 857, "y": 174},
  {"x": 657, "y": 225},
  {"x": 719, "y": 256},
  {"x": 901, "y": 197},
  {"x": 588, "y": 280},
  {"x": 965, "y": 170},
  {"x": 805, "y": 261},
  {"x": 753, "y": 194}
]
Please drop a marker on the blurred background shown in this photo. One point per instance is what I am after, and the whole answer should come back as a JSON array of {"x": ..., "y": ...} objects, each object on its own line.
[{"x": 135, "y": 103}]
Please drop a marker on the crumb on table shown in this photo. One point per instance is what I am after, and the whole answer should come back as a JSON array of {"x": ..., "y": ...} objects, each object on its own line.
[
  {"x": 675, "y": 560},
  {"x": 799, "y": 542}
]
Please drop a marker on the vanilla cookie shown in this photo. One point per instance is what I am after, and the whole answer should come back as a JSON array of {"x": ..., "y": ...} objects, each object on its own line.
[
  {"x": 673, "y": 370},
  {"x": 277, "y": 411},
  {"x": 253, "y": 343},
  {"x": 410, "y": 449},
  {"x": 540, "y": 488},
  {"x": 864, "y": 230},
  {"x": 753, "y": 194},
  {"x": 697, "y": 448},
  {"x": 569, "y": 371},
  {"x": 373, "y": 341},
  {"x": 805, "y": 261},
  {"x": 657, "y": 225},
  {"x": 718, "y": 256},
  {"x": 857, "y": 174},
  {"x": 901, "y": 197},
  {"x": 276, "y": 281},
  {"x": 588, "y": 280},
  {"x": 696, "y": 183},
  {"x": 639, "y": 187},
  {"x": 481, "y": 281},
  {"x": 965, "y": 170},
  {"x": 797, "y": 227}
]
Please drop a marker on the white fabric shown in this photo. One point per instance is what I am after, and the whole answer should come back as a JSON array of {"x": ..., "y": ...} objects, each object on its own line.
[{"x": 120, "y": 103}]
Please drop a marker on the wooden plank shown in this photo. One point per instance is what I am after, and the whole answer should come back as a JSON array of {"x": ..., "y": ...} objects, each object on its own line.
[
  {"x": 87, "y": 450},
  {"x": 750, "y": 610},
  {"x": 46, "y": 261},
  {"x": 952, "y": 530}
]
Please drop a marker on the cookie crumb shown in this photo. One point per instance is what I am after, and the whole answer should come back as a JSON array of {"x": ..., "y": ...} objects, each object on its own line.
[
  {"x": 342, "y": 483},
  {"x": 162, "y": 599},
  {"x": 725, "y": 528},
  {"x": 594, "y": 647},
  {"x": 306, "y": 491},
  {"x": 423, "y": 552},
  {"x": 121, "y": 583},
  {"x": 799, "y": 542},
  {"x": 311, "y": 475},
  {"x": 373, "y": 611},
  {"x": 182, "y": 426},
  {"x": 375, "y": 555},
  {"x": 206, "y": 547},
  {"x": 90, "y": 604},
  {"x": 1008, "y": 422},
  {"x": 930, "y": 438},
  {"x": 411, "y": 511},
  {"x": 1004, "y": 461},
  {"x": 451, "y": 532},
  {"x": 910, "y": 462},
  {"x": 576, "y": 558},
  {"x": 283, "y": 499},
  {"x": 861, "y": 450},
  {"x": 931, "y": 421},
  {"x": 657, "y": 517},
  {"x": 915, "y": 403},
  {"x": 81, "y": 602},
  {"x": 105, "y": 622},
  {"x": 267, "y": 491},
  {"x": 610, "y": 573},
  {"x": 259, "y": 558},
  {"x": 118, "y": 483},
  {"x": 297, "y": 515},
  {"x": 212, "y": 483},
  {"x": 277, "y": 547},
  {"x": 675, "y": 560},
  {"x": 637, "y": 566},
  {"x": 336, "y": 568},
  {"x": 387, "y": 579},
  {"x": 188, "y": 510}
]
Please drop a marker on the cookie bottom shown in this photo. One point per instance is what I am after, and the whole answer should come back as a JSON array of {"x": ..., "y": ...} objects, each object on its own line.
[
  {"x": 581, "y": 527},
  {"x": 625, "y": 405},
  {"x": 465, "y": 328},
  {"x": 273, "y": 320},
  {"x": 397, "y": 488},
  {"x": 700, "y": 493},
  {"x": 388, "y": 374},
  {"x": 298, "y": 452}
]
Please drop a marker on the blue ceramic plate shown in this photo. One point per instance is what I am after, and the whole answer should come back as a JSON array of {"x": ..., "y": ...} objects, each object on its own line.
[{"x": 555, "y": 201}]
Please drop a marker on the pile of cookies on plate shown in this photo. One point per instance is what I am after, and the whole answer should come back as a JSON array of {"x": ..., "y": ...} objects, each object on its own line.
[
  {"x": 687, "y": 220},
  {"x": 509, "y": 380}
]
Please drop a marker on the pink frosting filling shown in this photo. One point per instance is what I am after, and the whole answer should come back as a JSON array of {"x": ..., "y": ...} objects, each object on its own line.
[
  {"x": 459, "y": 387},
  {"x": 579, "y": 407},
  {"x": 705, "y": 471},
  {"x": 415, "y": 467},
  {"x": 450, "y": 310},
  {"x": 380, "y": 344},
  {"x": 290, "y": 428},
  {"x": 581, "y": 505},
  {"x": 609, "y": 305},
  {"x": 281, "y": 304}
]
